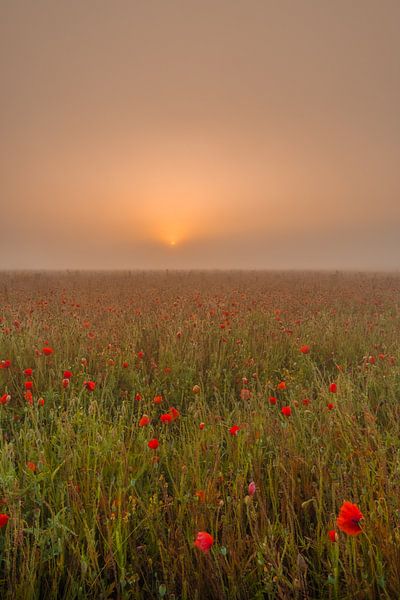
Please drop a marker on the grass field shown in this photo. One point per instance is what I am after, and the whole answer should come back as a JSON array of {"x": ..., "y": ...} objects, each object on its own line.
[{"x": 89, "y": 510}]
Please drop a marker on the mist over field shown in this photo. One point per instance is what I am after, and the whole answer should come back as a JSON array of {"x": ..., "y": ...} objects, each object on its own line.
[{"x": 213, "y": 135}]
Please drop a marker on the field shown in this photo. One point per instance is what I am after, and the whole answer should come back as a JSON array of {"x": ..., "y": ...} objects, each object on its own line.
[{"x": 89, "y": 510}]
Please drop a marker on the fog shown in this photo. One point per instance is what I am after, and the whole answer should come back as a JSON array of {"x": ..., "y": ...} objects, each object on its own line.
[{"x": 200, "y": 135}]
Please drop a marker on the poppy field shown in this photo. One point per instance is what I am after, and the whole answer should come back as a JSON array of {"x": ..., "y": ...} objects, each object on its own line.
[{"x": 199, "y": 435}]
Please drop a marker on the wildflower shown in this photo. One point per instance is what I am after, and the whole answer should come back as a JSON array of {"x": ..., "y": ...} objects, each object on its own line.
[
  {"x": 140, "y": 354},
  {"x": 305, "y": 349},
  {"x": 65, "y": 383},
  {"x": 174, "y": 412},
  {"x": 202, "y": 425},
  {"x": 286, "y": 410},
  {"x": 157, "y": 399},
  {"x": 4, "y": 398},
  {"x": 306, "y": 401},
  {"x": 145, "y": 420},
  {"x": 138, "y": 396},
  {"x": 330, "y": 405},
  {"x": 349, "y": 518},
  {"x": 201, "y": 495},
  {"x": 125, "y": 365},
  {"x": 153, "y": 444},
  {"x": 234, "y": 429},
  {"x": 272, "y": 400},
  {"x": 204, "y": 541},
  {"x": 40, "y": 402},
  {"x": 28, "y": 372},
  {"x": 3, "y": 520},
  {"x": 31, "y": 466},
  {"x": 282, "y": 385},
  {"x": 333, "y": 536},
  {"x": 28, "y": 385},
  {"x": 166, "y": 418},
  {"x": 333, "y": 388},
  {"x": 252, "y": 488},
  {"x": 89, "y": 385},
  {"x": 67, "y": 374},
  {"x": 47, "y": 350}
]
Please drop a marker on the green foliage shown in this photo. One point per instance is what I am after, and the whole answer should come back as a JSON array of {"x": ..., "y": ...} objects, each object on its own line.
[{"x": 95, "y": 513}]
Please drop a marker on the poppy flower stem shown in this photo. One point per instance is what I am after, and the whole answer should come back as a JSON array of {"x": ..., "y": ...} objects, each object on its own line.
[{"x": 335, "y": 560}]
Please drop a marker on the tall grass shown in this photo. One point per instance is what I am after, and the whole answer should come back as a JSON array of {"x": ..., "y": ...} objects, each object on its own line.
[{"x": 104, "y": 516}]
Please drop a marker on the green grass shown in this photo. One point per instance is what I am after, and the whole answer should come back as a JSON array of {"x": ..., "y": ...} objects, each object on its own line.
[{"x": 103, "y": 516}]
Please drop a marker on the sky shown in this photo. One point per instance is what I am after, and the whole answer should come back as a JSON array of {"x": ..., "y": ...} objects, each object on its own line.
[{"x": 184, "y": 134}]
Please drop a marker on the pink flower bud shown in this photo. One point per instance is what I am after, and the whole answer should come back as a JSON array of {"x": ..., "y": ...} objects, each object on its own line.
[{"x": 252, "y": 488}]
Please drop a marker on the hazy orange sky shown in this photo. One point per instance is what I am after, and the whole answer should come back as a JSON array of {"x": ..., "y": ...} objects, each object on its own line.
[{"x": 183, "y": 134}]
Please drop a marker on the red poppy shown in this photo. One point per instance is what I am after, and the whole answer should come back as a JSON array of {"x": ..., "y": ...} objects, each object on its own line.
[
  {"x": 140, "y": 354},
  {"x": 201, "y": 495},
  {"x": 145, "y": 420},
  {"x": 204, "y": 541},
  {"x": 158, "y": 399},
  {"x": 272, "y": 400},
  {"x": 3, "y": 520},
  {"x": 138, "y": 396},
  {"x": 234, "y": 429},
  {"x": 5, "y": 364},
  {"x": 125, "y": 365},
  {"x": 349, "y": 518},
  {"x": 166, "y": 418},
  {"x": 28, "y": 397},
  {"x": 67, "y": 375},
  {"x": 4, "y": 398},
  {"x": 306, "y": 401},
  {"x": 305, "y": 349},
  {"x": 28, "y": 372},
  {"x": 333, "y": 536},
  {"x": 174, "y": 412},
  {"x": 333, "y": 388},
  {"x": 47, "y": 350},
  {"x": 90, "y": 385},
  {"x": 28, "y": 385},
  {"x": 31, "y": 466},
  {"x": 40, "y": 402},
  {"x": 202, "y": 425},
  {"x": 282, "y": 385},
  {"x": 331, "y": 406},
  {"x": 65, "y": 383},
  {"x": 286, "y": 410},
  {"x": 153, "y": 444}
]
